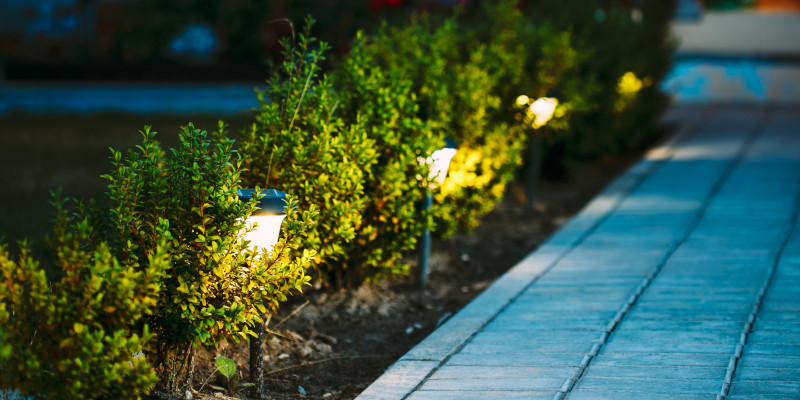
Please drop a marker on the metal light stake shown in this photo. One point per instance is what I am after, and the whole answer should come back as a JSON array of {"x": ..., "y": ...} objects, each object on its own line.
[
  {"x": 439, "y": 163},
  {"x": 537, "y": 112},
  {"x": 266, "y": 228}
]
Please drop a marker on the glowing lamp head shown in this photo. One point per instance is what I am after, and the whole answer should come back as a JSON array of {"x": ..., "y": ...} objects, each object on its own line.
[
  {"x": 542, "y": 110},
  {"x": 439, "y": 162},
  {"x": 264, "y": 224}
]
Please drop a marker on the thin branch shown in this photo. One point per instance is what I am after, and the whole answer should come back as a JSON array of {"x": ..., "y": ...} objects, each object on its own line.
[
  {"x": 310, "y": 363},
  {"x": 296, "y": 111},
  {"x": 208, "y": 379},
  {"x": 288, "y": 21},
  {"x": 295, "y": 311}
]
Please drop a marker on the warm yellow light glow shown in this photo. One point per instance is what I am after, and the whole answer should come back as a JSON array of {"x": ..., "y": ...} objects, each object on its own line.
[
  {"x": 637, "y": 16},
  {"x": 542, "y": 110},
  {"x": 265, "y": 232},
  {"x": 523, "y": 100},
  {"x": 628, "y": 86},
  {"x": 629, "y": 83}
]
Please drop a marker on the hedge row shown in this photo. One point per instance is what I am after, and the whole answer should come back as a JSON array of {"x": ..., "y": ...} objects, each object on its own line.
[{"x": 163, "y": 268}]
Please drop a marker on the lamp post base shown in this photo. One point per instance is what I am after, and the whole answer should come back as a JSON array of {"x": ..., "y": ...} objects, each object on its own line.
[
  {"x": 535, "y": 160},
  {"x": 425, "y": 245},
  {"x": 257, "y": 361}
]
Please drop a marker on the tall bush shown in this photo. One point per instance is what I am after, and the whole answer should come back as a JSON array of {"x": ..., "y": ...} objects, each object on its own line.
[
  {"x": 626, "y": 52},
  {"x": 300, "y": 145},
  {"x": 381, "y": 99},
  {"x": 530, "y": 59},
  {"x": 73, "y": 333},
  {"x": 215, "y": 286},
  {"x": 468, "y": 71}
]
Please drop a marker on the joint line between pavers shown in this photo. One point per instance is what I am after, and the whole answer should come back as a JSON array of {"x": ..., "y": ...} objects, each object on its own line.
[
  {"x": 653, "y": 166},
  {"x": 759, "y": 301},
  {"x": 647, "y": 281}
]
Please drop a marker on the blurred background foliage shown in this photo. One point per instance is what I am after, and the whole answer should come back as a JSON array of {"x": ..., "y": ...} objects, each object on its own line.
[
  {"x": 603, "y": 60},
  {"x": 217, "y": 40},
  {"x": 197, "y": 39}
]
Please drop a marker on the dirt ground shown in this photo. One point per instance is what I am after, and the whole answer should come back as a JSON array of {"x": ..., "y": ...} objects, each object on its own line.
[{"x": 330, "y": 345}]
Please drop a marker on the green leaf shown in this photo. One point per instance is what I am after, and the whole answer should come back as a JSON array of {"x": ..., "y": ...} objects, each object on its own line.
[{"x": 226, "y": 366}]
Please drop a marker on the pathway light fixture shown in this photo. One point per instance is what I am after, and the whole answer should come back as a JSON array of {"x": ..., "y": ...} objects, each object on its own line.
[
  {"x": 264, "y": 228},
  {"x": 536, "y": 113},
  {"x": 265, "y": 222},
  {"x": 438, "y": 164}
]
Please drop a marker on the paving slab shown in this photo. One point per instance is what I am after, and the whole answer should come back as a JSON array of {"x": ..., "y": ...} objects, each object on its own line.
[
  {"x": 772, "y": 337},
  {"x": 684, "y": 326},
  {"x": 580, "y": 394},
  {"x": 680, "y": 281},
  {"x": 769, "y": 374},
  {"x": 765, "y": 387},
  {"x": 671, "y": 336},
  {"x": 792, "y": 350},
  {"x": 649, "y": 386},
  {"x": 481, "y": 395},
  {"x": 517, "y": 325},
  {"x": 677, "y": 315},
  {"x": 514, "y": 384},
  {"x": 555, "y": 360},
  {"x": 780, "y": 326},
  {"x": 608, "y": 358},
  {"x": 519, "y": 348},
  {"x": 479, "y": 372},
  {"x": 568, "y": 336},
  {"x": 668, "y": 372},
  {"x": 761, "y": 396},
  {"x": 763, "y": 361},
  {"x": 659, "y": 347}
]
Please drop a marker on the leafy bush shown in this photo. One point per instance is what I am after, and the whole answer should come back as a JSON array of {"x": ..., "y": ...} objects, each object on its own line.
[
  {"x": 626, "y": 52},
  {"x": 427, "y": 53},
  {"x": 523, "y": 60},
  {"x": 380, "y": 99},
  {"x": 300, "y": 145},
  {"x": 73, "y": 334},
  {"x": 215, "y": 285},
  {"x": 468, "y": 71}
]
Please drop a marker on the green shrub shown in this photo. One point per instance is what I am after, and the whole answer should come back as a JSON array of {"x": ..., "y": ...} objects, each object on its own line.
[
  {"x": 298, "y": 144},
  {"x": 426, "y": 51},
  {"x": 523, "y": 60},
  {"x": 380, "y": 99},
  {"x": 530, "y": 59},
  {"x": 73, "y": 334},
  {"x": 215, "y": 286},
  {"x": 625, "y": 53},
  {"x": 468, "y": 72}
]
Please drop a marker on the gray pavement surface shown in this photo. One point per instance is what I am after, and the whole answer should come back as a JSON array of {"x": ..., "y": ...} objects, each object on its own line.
[
  {"x": 735, "y": 57},
  {"x": 680, "y": 281},
  {"x": 748, "y": 32}
]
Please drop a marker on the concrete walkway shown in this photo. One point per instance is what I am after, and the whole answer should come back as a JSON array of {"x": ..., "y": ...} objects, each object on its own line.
[
  {"x": 680, "y": 281},
  {"x": 734, "y": 57}
]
